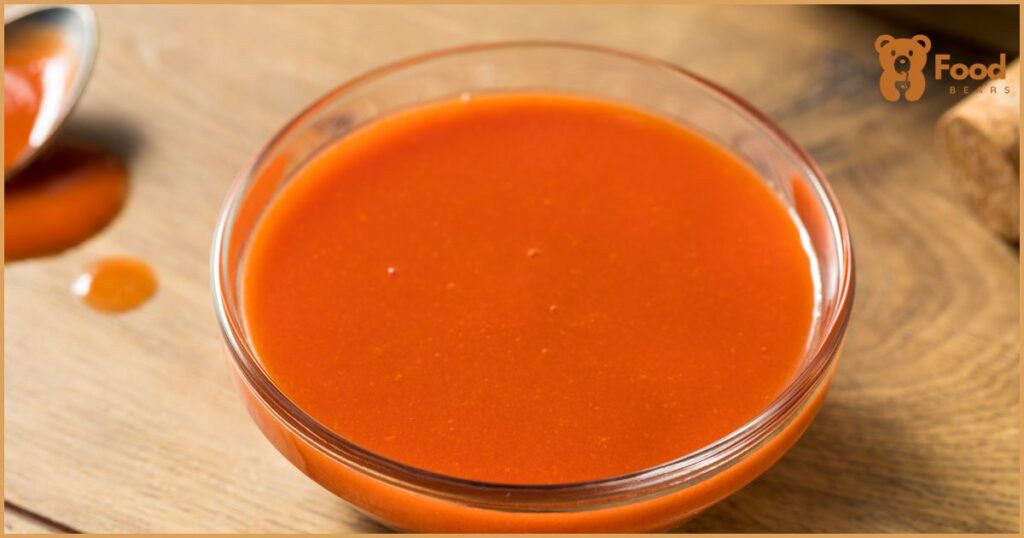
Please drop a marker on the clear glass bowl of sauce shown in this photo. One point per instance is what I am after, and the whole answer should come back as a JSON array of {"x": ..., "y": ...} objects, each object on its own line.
[{"x": 526, "y": 287}]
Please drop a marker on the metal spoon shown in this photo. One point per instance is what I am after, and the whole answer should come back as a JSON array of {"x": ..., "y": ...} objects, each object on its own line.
[{"x": 77, "y": 24}]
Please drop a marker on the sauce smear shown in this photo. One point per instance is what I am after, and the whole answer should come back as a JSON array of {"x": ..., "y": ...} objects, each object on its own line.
[
  {"x": 116, "y": 284},
  {"x": 64, "y": 197},
  {"x": 528, "y": 289}
]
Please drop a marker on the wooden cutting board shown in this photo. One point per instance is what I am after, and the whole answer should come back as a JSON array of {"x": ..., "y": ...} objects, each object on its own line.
[{"x": 129, "y": 422}]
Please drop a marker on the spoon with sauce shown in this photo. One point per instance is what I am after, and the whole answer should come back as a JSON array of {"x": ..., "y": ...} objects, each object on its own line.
[
  {"x": 58, "y": 193},
  {"x": 48, "y": 57}
]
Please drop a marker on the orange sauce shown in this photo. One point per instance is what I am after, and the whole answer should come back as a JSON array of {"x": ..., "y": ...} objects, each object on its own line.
[
  {"x": 69, "y": 192},
  {"x": 528, "y": 289},
  {"x": 37, "y": 70},
  {"x": 116, "y": 284},
  {"x": 64, "y": 197}
]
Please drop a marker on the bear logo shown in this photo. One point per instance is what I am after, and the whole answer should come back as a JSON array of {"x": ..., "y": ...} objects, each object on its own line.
[{"x": 902, "y": 62}]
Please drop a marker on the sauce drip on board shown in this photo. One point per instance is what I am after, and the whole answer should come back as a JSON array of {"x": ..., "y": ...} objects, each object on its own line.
[
  {"x": 38, "y": 70},
  {"x": 64, "y": 197},
  {"x": 528, "y": 289},
  {"x": 116, "y": 284}
]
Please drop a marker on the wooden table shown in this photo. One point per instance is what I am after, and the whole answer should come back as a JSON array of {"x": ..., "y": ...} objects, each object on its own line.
[{"x": 129, "y": 422}]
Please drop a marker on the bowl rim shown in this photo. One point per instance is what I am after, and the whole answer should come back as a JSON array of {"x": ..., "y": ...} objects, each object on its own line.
[{"x": 679, "y": 472}]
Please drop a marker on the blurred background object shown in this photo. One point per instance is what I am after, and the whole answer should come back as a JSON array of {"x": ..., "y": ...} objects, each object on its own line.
[
  {"x": 980, "y": 137},
  {"x": 993, "y": 26}
]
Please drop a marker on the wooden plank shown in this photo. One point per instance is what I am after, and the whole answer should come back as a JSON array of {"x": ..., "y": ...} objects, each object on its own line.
[
  {"x": 129, "y": 423},
  {"x": 17, "y": 520},
  {"x": 18, "y": 524}
]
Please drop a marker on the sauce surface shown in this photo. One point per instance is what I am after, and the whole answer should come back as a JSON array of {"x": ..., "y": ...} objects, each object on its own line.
[
  {"x": 116, "y": 284},
  {"x": 65, "y": 196},
  {"x": 528, "y": 289},
  {"x": 38, "y": 68}
]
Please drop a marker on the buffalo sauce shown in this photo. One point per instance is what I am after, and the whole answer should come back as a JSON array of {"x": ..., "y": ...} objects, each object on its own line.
[
  {"x": 38, "y": 71},
  {"x": 116, "y": 284},
  {"x": 64, "y": 197},
  {"x": 528, "y": 289},
  {"x": 70, "y": 191}
]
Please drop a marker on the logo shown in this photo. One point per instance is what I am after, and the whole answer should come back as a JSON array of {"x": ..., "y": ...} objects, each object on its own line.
[{"x": 902, "y": 62}]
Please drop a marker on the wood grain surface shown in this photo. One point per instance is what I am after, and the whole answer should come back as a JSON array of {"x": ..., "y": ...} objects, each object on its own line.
[
  {"x": 18, "y": 520},
  {"x": 15, "y": 523},
  {"x": 129, "y": 422}
]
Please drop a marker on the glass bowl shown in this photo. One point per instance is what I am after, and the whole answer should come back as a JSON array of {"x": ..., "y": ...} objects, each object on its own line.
[{"x": 657, "y": 498}]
